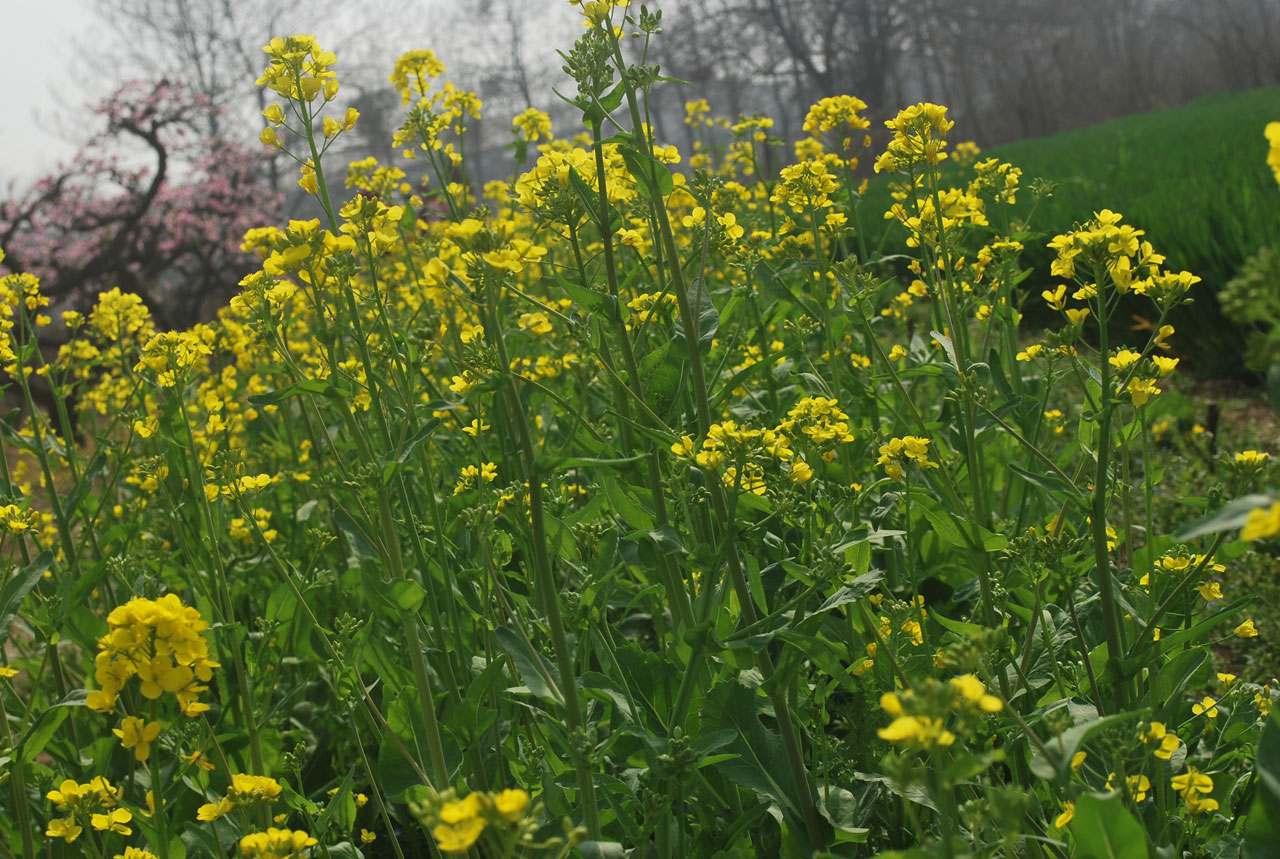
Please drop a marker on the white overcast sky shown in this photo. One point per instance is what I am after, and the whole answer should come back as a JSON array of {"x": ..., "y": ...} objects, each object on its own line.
[
  {"x": 37, "y": 71},
  {"x": 44, "y": 79}
]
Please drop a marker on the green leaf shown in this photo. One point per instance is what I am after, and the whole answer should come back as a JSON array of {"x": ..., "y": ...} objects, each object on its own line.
[
  {"x": 341, "y": 807},
  {"x": 650, "y": 175},
  {"x": 407, "y": 595},
  {"x": 1175, "y": 676},
  {"x": 761, "y": 764},
  {"x": 661, "y": 372},
  {"x": 306, "y": 386},
  {"x": 841, "y": 809},
  {"x": 1262, "y": 826},
  {"x": 947, "y": 346},
  {"x": 17, "y": 588},
  {"x": 588, "y": 462},
  {"x": 1063, "y": 748},
  {"x": 854, "y": 591},
  {"x": 34, "y": 741},
  {"x": 597, "y": 303},
  {"x": 533, "y": 669},
  {"x": 1229, "y": 518},
  {"x": 355, "y": 534},
  {"x": 626, "y": 506},
  {"x": 705, "y": 315},
  {"x": 1045, "y": 480},
  {"x": 1104, "y": 829},
  {"x": 411, "y": 444},
  {"x": 1273, "y": 385}
]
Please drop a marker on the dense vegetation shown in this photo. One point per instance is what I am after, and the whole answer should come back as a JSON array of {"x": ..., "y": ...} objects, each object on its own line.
[{"x": 619, "y": 513}]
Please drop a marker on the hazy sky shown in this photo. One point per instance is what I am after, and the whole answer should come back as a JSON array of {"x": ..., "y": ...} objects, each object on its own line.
[
  {"x": 37, "y": 67},
  {"x": 45, "y": 78}
]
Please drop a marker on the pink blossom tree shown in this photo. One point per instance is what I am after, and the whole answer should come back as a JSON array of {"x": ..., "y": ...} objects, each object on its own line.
[{"x": 149, "y": 204}]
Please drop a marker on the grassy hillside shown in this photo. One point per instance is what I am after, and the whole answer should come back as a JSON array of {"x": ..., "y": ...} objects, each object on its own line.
[{"x": 1194, "y": 177}]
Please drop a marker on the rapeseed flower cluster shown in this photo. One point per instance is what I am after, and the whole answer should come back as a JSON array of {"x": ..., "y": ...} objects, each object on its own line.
[
  {"x": 95, "y": 803},
  {"x": 248, "y": 792},
  {"x": 457, "y": 824},
  {"x": 899, "y": 452},
  {"x": 276, "y": 844},
  {"x": 160, "y": 643},
  {"x": 299, "y": 68},
  {"x": 921, "y": 717}
]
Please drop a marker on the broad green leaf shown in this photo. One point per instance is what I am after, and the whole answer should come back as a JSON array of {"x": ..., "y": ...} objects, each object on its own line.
[
  {"x": 1262, "y": 826},
  {"x": 306, "y": 386},
  {"x": 533, "y": 669},
  {"x": 34, "y": 741},
  {"x": 650, "y": 175},
  {"x": 1229, "y": 518},
  {"x": 761, "y": 764},
  {"x": 1062, "y": 748},
  {"x": 17, "y": 588},
  {"x": 626, "y": 506},
  {"x": 1104, "y": 829}
]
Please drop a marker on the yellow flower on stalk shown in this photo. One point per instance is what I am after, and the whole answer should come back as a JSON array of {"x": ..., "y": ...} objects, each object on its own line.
[
  {"x": 476, "y": 427},
  {"x": 1077, "y": 760},
  {"x": 1124, "y": 358},
  {"x": 923, "y": 732},
  {"x": 1056, "y": 298},
  {"x": 214, "y": 810},
  {"x": 1068, "y": 814},
  {"x": 511, "y": 803},
  {"x": 275, "y": 844},
  {"x": 460, "y": 824},
  {"x": 1246, "y": 630},
  {"x": 6, "y": 672},
  {"x": 136, "y": 853},
  {"x": 1208, "y": 707},
  {"x": 137, "y": 735},
  {"x": 114, "y": 820},
  {"x": 159, "y": 642},
  {"x": 1262, "y": 523},
  {"x": 299, "y": 68},
  {"x": 974, "y": 691},
  {"x": 532, "y": 125},
  {"x": 1163, "y": 742},
  {"x": 751, "y": 480},
  {"x": 1141, "y": 390},
  {"x": 535, "y": 323},
  {"x": 1192, "y": 781},
  {"x": 629, "y": 238},
  {"x": 65, "y": 828},
  {"x": 900, "y": 451},
  {"x": 471, "y": 475},
  {"x": 1209, "y": 591},
  {"x": 413, "y": 72},
  {"x": 1138, "y": 785},
  {"x": 1272, "y": 133},
  {"x": 308, "y": 181}
]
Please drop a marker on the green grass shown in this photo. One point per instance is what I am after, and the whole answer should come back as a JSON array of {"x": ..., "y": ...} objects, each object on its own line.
[{"x": 1194, "y": 177}]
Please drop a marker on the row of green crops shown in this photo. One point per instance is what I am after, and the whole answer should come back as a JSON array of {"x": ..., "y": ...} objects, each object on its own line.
[{"x": 616, "y": 513}]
